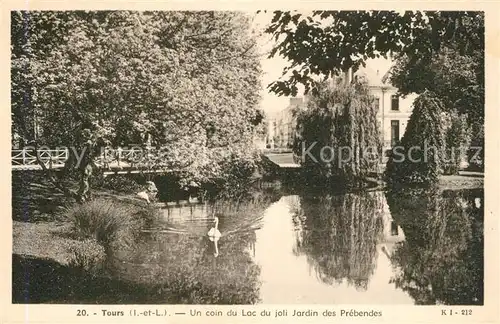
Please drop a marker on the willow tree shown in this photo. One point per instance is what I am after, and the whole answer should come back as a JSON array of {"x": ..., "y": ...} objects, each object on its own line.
[
  {"x": 419, "y": 158},
  {"x": 338, "y": 133}
]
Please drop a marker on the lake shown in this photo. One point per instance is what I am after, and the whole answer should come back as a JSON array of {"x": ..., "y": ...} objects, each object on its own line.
[{"x": 409, "y": 247}]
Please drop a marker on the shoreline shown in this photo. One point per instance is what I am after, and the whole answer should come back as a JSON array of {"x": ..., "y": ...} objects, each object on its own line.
[{"x": 463, "y": 181}]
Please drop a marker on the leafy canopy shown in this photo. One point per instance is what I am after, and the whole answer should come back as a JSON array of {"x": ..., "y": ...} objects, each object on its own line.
[
  {"x": 325, "y": 43},
  {"x": 189, "y": 79}
]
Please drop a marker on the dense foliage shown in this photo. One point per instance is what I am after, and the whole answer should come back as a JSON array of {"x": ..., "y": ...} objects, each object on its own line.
[
  {"x": 457, "y": 141},
  {"x": 188, "y": 80},
  {"x": 420, "y": 155},
  {"x": 324, "y": 43},
  {"x": 456, "y": 78},
  {"x": 338, "y": 133}
]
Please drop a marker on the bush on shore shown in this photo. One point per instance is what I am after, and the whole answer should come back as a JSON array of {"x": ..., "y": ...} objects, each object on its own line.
[
  {"x": 425, "y": 129},
  {"x": 110, "y": 223},
  {"x": 87, "y": 255}
]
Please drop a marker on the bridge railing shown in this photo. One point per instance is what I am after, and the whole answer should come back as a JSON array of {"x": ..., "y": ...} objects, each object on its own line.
[
  {"x": 138, "y": 157},
  {"x": 119, "y": 157},
  {"x": 30, "y": 157}
]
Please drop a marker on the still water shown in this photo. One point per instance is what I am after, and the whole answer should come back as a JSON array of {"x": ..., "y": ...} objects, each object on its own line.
[{"x": 411, "y": 247}]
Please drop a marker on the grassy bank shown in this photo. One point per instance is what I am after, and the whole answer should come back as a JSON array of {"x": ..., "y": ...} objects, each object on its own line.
[
  {"x": 59, "y": 247},
  {"x": 44, "y": 240}
]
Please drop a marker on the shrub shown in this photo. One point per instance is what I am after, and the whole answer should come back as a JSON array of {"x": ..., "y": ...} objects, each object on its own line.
[
  {"x": 87, "y": 255},
  {"x": 425, "y": 128},
  {"x": 106, "y": 221},
  {"x": 147, "y": 215}
]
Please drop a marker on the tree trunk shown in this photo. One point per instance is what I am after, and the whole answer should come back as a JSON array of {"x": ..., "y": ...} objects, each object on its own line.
[
  {"x": 52, "y": 178},
  {"x": 84, "y": 190},
  {"x": 86, "y": 169}
]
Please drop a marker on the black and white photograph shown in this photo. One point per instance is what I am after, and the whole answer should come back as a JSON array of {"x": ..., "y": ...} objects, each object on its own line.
[{"x": 254, "y": 157}]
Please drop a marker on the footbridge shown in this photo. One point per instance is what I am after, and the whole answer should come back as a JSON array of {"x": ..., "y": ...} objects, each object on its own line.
[{"x": 112, "y": 161}]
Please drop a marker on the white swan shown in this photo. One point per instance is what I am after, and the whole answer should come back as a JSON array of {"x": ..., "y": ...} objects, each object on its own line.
[{"x": 214, "y": 233}]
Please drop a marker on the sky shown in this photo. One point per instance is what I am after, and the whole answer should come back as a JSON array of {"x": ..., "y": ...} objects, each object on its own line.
[{"x": 273, "y": 68}]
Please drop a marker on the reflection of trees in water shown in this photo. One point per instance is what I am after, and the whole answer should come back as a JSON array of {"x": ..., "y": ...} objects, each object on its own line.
[
  {"x": 441, "y": 260},
  {"x": 181, "y": 268},
  {"x": 339, "y": 236}
]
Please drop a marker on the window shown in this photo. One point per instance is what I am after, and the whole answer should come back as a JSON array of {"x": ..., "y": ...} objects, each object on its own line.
[
  {"x": 394, "y": 132},
  {"x": 394, "y": 102},
  {"x": 394, "y": 229},
  {"x": 376, "y": 103}
]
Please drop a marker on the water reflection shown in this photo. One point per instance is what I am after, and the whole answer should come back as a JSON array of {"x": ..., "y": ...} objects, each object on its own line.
[
  {"x": 422, "y": 247},
  {"x": 441, "y": 260},
  {"x": 335, "y": 249},
  {"x": 184, "y": 264},
  {"x": 340, "y": 236}
]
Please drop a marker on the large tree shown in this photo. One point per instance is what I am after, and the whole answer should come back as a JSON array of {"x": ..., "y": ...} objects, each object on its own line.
[
  {"x": 189, "y": 79},
  {"x": 456, "y": 78},
  {"x": 338, "y": 134}
]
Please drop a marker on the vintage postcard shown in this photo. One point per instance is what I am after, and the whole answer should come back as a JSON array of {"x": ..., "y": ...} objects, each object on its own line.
[{"x": 250, "y": 162}]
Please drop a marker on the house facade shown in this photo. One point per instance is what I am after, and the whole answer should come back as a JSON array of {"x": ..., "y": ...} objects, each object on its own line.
[{"x": 393, "y": 112}]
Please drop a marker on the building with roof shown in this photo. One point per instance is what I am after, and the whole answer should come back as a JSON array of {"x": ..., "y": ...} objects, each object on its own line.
[
  {"x": 393, "y": 111},
  {"x": 286, "y": 122}
]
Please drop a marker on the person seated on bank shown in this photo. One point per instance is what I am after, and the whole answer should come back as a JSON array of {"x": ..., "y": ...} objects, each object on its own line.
[{"x": 150, "y": 192}]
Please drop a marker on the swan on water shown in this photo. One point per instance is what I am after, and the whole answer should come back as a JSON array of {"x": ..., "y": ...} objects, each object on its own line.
[{"x": 214, "y": 233}]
